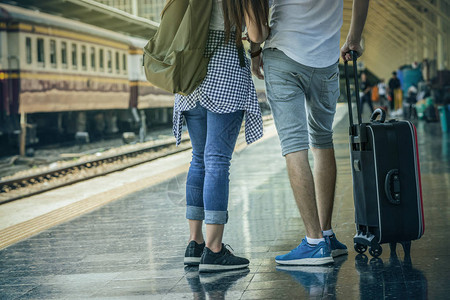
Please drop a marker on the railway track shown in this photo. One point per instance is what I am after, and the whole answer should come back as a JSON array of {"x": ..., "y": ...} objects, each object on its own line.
[{"x": 21, "y": 187}]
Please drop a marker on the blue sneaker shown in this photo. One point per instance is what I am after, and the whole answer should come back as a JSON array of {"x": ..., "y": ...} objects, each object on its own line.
[
  {"x": 337, "y": 248},
  {"x": 306, "y": 254}
]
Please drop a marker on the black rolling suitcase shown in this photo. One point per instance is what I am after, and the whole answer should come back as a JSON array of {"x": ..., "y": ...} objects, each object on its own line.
[{"x": 386, "y": 179}]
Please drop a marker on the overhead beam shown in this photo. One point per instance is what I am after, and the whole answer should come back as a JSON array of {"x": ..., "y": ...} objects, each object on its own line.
[
  {"x": 435, "y": 10},
  {"x": 419, "y": 14},
  {"x": 397, "y": 12}
]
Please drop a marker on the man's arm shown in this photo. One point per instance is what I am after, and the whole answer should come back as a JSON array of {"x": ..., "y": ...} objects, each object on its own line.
[{"x": 353, "y": 42}]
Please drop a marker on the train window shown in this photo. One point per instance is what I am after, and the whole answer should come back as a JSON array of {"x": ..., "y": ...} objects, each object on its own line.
[
  {"x": 40, "y": 51},
  {"x": 93, "y": 58},
  {"x": 83, "y": 57},
  {"x": 117, "y": 62},
  {"x": 102, "y": 60},
  {"x": 124, "y": 63},
  {"x": 109, "y": 59},
  {"x": 64, "y": 54},
  {"x": 28, "y": 50},
  {"x": 53, "y": 53},
  {"x": 74, "y": 56}
]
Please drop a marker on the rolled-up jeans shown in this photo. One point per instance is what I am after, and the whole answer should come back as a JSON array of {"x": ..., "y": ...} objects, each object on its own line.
[{"x": 213, "y": 137}]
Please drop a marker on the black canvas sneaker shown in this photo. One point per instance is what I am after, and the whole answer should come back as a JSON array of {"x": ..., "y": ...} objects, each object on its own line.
[
  {"x": 221, "y": 261},
  {"x": 193, "y": 253}
]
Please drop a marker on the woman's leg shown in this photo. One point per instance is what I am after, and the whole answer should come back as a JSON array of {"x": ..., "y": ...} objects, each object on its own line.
[
  {"x": 222, "y": 133},
  {"x": 196, "y": 123}
]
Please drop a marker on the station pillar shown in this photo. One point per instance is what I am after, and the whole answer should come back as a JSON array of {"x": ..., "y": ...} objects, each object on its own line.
[{"x": 440, "y": 39}]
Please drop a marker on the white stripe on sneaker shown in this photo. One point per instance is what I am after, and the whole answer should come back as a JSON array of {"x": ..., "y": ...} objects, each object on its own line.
[
  {"x": 192, "y": 260},
  {"x": 306, "y": 261},
  {"x": 217, "y": 267},
  {"x": 338, "y": 252}
]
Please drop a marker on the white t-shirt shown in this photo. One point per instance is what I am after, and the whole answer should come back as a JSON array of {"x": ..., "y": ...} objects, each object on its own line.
[
  {"x": 307, "y": 31},
  {"x": 382, "y": 89}
]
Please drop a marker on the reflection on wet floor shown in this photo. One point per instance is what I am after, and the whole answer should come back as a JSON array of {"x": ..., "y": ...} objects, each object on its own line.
[
  {"x": 214, "y": 285},
  {"x": 133, "y": 248},
  {"x": 392, "y": 279},
  {"x": 318, "y": 281}
]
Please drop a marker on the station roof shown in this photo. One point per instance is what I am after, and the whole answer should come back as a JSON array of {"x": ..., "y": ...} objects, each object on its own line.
[
  {"x": 399, "y": 32},
  {"x": 94, "y": 13}
]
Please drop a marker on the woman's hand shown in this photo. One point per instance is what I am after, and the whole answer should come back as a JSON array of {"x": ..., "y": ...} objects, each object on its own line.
[{"x": 257, "y": 66}]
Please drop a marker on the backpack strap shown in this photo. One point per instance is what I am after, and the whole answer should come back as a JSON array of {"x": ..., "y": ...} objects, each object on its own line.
[{"x": 241, "y": 55}]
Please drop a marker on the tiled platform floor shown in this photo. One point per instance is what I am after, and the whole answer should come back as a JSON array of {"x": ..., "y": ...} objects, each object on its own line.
[{"x": 133, "y": 248}]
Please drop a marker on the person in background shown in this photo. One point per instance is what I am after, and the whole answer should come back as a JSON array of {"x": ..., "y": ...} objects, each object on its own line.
[
  {"x": 366, "y": 92},
  {"x": 393, "y": 84},
  {"x": 214, "y": 114},
  {"x": 382, "y": 93},
  {"x": 301, "y": 71}
]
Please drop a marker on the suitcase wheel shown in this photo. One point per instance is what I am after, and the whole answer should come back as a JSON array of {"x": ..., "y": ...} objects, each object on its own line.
[
  {"x": 375, "y": 251},
  {"x": 360, "y": 248}
]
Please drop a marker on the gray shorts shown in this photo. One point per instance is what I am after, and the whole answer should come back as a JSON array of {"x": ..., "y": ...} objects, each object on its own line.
[{"x": 303, "y": 101}]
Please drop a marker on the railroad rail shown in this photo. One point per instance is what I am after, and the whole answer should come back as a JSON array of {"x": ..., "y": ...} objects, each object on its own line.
[{"x": 26, "y": 186}]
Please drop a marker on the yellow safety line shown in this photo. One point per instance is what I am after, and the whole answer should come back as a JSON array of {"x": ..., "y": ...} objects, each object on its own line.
[{"x": 18, "y": 232}]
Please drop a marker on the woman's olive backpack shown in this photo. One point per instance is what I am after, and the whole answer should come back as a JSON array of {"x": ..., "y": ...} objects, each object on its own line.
[{"x": 174, "y": 58}]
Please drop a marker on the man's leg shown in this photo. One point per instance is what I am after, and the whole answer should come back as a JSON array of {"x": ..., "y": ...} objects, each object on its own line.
[
  {"x": 302, "y": 184},
  {"x": 325, "y": 182},
  {"x": 321, "y": 109},
  {"x": 392, "y": 102},
  {"x": 285, "y": 82}
]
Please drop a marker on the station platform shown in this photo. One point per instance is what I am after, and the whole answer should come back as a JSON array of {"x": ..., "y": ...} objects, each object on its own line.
[{"x": 124, "y": 235}]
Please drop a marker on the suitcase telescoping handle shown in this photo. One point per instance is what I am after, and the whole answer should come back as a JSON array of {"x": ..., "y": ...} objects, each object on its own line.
[
  {"x": 378, "y": 112},
  {"x": 354, "y": 55}
]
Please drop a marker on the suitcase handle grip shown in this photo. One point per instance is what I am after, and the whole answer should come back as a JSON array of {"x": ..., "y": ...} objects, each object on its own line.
[
  {"x": 378, "y": 112},
  {"x": 392, "y": 186}
]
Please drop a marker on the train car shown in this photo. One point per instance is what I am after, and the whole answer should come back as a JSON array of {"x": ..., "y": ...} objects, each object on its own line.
[
  {"x": 157, "y": 103},
  {"x": 60, "y": 76}
]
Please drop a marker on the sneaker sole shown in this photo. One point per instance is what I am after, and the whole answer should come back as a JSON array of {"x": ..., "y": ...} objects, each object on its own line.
[
  {"x": 306, "y": 261},
  {"x": 218, "y": 268},
  {"x": 339, "y": 252},
  {"x": 207, "y": 278},
  {"x": 192, "y": 261},
  {"x": 322, "y": 269}
]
